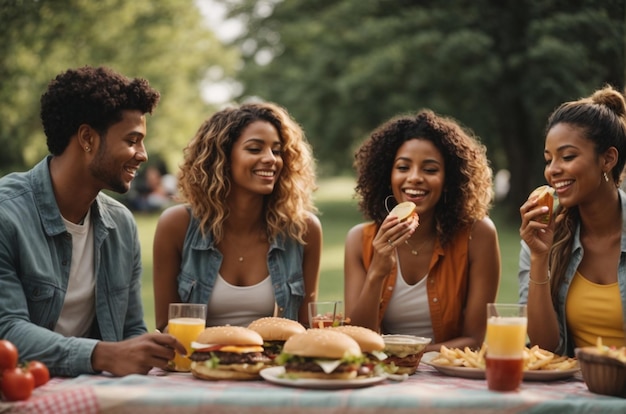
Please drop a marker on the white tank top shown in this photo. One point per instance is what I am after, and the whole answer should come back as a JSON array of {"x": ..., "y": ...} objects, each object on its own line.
[
  {"x": 408, "y": 312},
  {"x": 239, "y": 305},
  {"x": 78, "y": 309}
]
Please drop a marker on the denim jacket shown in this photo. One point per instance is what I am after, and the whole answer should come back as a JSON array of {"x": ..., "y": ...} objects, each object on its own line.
[
  {"x": 35, "y": 259},
  {"x": 201, "y": 262},
  {"x": 566, "y": 344}
]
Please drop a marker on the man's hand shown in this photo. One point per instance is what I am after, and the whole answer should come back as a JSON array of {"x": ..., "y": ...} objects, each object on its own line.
[{"x": 137, "y": 355}]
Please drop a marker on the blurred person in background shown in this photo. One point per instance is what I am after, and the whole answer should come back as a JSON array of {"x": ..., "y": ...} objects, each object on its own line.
[
  {"x": 435, "y": 280},
  {"x": 246, "y": 241},
  {"x": 572, "y": 271},
  {"x": 70, "y": 263}
]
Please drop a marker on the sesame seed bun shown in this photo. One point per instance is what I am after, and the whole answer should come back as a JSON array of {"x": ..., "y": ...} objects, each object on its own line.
[{"x": 276, "y": 329}]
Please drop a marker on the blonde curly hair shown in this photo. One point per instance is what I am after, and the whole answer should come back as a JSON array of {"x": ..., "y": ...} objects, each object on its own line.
[
  {"x": 204, "y": 179},
  {"x": 468, "y": 182}
]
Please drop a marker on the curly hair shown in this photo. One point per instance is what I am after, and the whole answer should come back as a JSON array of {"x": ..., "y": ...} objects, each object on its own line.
[
  {"x": 205, "y": 180},
  {"x": 92, "y": 96},
  {"x": 602, "y": 118},
  {"x": 468, "y": 176}
]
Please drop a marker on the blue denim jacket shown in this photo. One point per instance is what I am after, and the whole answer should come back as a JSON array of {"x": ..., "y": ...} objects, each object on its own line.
[
  {"x": 35, "y": 259},
  {"x": 566, "y": 344},
  {"x": 201, "y": 262}
]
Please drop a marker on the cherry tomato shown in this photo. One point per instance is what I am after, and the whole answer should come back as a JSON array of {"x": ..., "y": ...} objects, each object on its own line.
[
  {"x": 17, "y": 384},
  {"x": 8, "y": 355},
  {"x": 39, "y": 371}
]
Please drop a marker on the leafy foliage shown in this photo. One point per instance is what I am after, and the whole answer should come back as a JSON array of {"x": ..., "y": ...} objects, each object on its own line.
[
  {"x": 164, "y": 41},
  {"x": 342, "y": 67}
]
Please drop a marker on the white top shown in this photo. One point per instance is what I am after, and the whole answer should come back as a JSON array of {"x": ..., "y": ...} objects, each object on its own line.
[
  {"x": 408, "y": 312},
  {"x": 78, "y": 309},
  {"x": 239, "y": 305}
]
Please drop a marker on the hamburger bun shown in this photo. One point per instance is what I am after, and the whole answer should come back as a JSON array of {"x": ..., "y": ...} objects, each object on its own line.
[
  {"x": 321, "y": 353},
  {"x": 367, "y": 339},
  {"x": 322, "y": 343},
  {"x": 545, "y": 198},
  {"x": 404, "y": 210},
  {"x": 276, "y": 329},
  {"x": 229, "y": 335},
  {"x": 228, "y": 352}
]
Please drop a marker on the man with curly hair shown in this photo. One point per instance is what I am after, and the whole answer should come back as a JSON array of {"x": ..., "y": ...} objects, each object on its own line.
[
  {"x": 434, "y": 280},
  {"x": 70, "y": 262}
]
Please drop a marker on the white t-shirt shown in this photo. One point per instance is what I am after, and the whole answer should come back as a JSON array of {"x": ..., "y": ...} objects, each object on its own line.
[
  {"x": 78, "y": 310},
  {"x": 239, "y": 305},
  {"x": 408, "y": 312}
]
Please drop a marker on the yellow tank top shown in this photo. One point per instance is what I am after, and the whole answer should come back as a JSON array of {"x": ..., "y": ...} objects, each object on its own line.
[{"x": 594, "y": 310}]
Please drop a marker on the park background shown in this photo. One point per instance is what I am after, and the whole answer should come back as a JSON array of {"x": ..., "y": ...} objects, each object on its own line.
[{"x": 340, "y": 67}]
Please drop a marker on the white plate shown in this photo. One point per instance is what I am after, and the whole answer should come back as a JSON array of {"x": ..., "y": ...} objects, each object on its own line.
[
  {"x": 476, "y": 373},
  {"x": 276, "y": 375}
]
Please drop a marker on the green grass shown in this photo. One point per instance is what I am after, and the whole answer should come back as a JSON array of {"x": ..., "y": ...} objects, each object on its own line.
[{"x": 338, "y": 213}]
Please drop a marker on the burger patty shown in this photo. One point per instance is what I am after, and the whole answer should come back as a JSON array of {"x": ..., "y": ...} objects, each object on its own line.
[
  {"x": 311, "y": 366},
  {"x": 227, "y": 358},
  {"x": 408, "y": 361}
]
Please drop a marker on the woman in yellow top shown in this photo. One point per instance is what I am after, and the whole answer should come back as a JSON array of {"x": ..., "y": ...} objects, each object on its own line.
[
  {"x": 434, "y": 280},
  {"x": 573, "y": 269}
]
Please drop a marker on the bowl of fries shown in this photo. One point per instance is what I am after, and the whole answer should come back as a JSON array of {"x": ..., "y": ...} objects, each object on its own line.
[{"x": 603, "y": 369}]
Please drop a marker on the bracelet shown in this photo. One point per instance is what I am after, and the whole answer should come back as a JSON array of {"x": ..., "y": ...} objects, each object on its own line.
[{"x": 530, "y": 279}]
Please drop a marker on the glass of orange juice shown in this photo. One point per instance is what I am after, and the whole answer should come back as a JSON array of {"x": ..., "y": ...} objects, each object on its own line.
[
  {"x": 506, "y": 340},
  {"x": 185, "y": 322}
]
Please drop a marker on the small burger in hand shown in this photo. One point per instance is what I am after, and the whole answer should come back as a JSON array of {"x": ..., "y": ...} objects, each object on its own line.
[
  {"x": 228, "y": 352},
  {"x": 405, "y": 211},
  {"x": 371, "y": 344},
  {"x": 321, "y": 354},
  {"x": 275, "y": 331},
  {"x": 545, "y": 198}
]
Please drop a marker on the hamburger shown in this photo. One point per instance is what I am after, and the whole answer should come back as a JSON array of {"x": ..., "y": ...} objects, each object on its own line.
[
  {"x": 371, "y": 344},
  {"x": 321, "y": 353},
  {"x": 275, "y": 331},
  {"x": 404, "y": 353},
  {"x": 405, "y": 211},
  {"x": 228, "y": 352},
  {"x": 545, "y": 198}
]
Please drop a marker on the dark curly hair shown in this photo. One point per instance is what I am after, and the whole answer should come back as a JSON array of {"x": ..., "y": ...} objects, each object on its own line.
[
  {"x": 468, "y": 176},
  {"x": 92, "y": 96}
]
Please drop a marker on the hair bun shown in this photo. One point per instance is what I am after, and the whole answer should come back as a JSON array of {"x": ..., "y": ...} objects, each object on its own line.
[{"x": 610, "y": 97}]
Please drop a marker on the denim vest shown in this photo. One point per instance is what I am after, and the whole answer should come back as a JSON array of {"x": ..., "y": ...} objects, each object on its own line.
[
  {"x": 201, "y": 262},
  {"x": 566, "y": 344},
  {"x": 35, "y": 260}
]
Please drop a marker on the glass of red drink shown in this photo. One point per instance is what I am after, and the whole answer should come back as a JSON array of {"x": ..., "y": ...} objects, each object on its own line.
[
  {"x": 506, "y": 340},
  {"x": 325, "y": 314}
]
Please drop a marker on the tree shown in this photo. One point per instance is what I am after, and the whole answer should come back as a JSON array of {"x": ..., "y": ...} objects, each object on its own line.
[
  {"x": 342, "y": 67},
  {"x": 164, "y": 41}
]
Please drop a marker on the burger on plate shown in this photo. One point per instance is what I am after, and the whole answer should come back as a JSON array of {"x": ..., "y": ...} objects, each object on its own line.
[
  {"x": 228, "y": 352},
  {"x": 321, "y": 353},
  {"x": 404, "y": 353},
  {"x": 275, "y": 331},
  {"x": 371, "y": 344}
]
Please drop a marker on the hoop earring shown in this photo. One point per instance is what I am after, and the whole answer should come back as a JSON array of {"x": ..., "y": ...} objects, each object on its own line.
[
  {"x": 606, "y": 177},
  {"x": 386, "y": 203}
]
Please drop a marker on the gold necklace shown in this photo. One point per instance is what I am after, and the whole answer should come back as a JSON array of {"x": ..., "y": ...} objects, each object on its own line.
[
  {"x": 415, "y": 251},
  {"x": 241, "y": 257}
]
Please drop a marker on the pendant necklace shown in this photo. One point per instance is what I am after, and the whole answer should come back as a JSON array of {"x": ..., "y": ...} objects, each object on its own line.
[
  {"x": 240, "y": 257},
  {"x": 415, "y": 251}
]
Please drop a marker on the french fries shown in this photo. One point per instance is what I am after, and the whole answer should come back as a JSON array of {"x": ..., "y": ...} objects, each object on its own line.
[{"x": 535, "y": 359}]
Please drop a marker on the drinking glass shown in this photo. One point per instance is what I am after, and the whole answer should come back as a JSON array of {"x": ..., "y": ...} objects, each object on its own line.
[
  {"x": 185, "y": 322},
  {"x": 325, "y": 314},
  {"x": 506, "y": 340}
]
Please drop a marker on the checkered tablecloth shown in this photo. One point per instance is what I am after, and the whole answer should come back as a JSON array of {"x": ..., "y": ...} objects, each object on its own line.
[{"x": 426, "y": 391}]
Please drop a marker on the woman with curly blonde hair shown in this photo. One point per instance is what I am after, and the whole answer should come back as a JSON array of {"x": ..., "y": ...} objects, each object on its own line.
[
  {"x": 434, "y": 279},
  {"x": 246, "y": 239}
]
